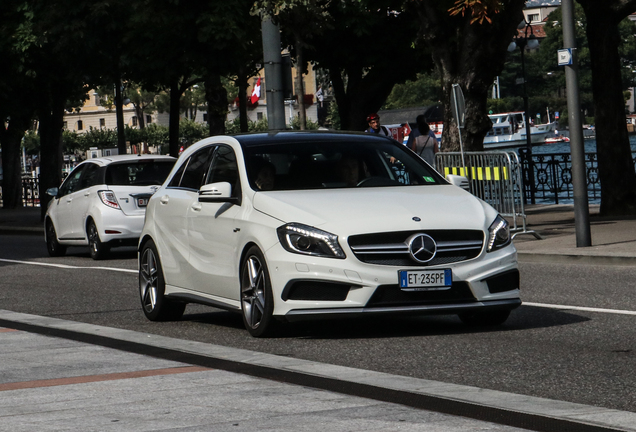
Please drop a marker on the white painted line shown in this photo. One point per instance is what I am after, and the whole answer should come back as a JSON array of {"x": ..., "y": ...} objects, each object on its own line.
[
  {"x": 68, "y": 266},
  {"x": 581, "y": 308}
]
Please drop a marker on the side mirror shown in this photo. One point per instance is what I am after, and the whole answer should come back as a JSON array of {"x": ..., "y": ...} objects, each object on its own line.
[
  {"x": 459, "y": 181},
  {"x": 52, "y": 191},
  {"x": 217, "y": 192}
]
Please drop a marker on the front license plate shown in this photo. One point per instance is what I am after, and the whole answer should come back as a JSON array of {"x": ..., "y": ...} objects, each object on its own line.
[
  {"x": 142, "y": 202},
  {"x": 421, "y": 280}
]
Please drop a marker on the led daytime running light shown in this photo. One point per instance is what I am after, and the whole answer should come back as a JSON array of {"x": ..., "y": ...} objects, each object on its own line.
[
  {"x": 496, "y": 241},
  {"x": 318, "y": 242}
]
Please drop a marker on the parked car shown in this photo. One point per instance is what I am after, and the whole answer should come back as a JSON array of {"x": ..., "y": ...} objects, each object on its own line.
[
  {"x": 102, "y": 203},
  {"x": 293, "y": 225}
]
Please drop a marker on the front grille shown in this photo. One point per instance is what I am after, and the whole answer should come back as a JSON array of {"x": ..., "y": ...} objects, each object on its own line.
[
  {"x": 392, "y": 295},
  {"x": 391, "y": 248}
]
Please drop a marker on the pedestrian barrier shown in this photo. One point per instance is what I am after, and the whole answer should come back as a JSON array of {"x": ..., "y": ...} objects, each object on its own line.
[{"x": 495, "y": 177}]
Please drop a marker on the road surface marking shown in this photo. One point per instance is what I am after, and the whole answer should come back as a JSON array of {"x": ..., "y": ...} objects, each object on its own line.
[
  {"x": 68, "y": 266},
  {"x": 581, "y": 308},
  {"x": 97, "y": 378}
]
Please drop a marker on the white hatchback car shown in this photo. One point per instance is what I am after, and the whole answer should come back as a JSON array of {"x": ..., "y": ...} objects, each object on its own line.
[
  {"x": 293, "y": 225},
  {"x": 102, "y": 203}
]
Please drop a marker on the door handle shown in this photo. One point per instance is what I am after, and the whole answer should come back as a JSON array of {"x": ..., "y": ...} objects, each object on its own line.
[
  {"x": 196, "y": 207},
  {"x": 164, "y": 199},
  {"x": 87, "y": 194}
]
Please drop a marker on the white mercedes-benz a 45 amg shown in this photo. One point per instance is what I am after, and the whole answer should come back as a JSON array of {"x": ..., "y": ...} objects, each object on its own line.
[{"x": 307, "y": 225}]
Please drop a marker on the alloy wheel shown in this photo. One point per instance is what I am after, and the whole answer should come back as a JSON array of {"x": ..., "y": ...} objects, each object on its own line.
[
  {"x": 148, "y": 283},
  {"x": 253, "y": 292}
]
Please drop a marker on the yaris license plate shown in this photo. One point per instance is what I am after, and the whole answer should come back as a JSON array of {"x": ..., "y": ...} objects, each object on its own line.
[
  {"x": 420, "y": 280},
  {"x": 142, "y": 202}
]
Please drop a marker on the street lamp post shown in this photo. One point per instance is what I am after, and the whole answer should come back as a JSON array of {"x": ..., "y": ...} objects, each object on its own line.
[{"x": 529, "y": 41}]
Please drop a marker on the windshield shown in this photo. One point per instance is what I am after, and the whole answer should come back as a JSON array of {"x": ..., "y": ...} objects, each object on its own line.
[
  {"x": 323, "y": 165},
  {"x": 138, "y": 173}
]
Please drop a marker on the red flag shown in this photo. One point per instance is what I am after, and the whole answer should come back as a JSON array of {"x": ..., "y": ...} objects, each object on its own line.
[{"x": 256, "y": 93}]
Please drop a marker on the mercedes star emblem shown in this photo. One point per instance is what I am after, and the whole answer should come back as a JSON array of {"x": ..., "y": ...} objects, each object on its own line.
[{"x": 422, "y": 247}]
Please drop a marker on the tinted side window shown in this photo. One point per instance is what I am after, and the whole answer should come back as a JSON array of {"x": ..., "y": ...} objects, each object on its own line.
[
  {"x": 91, "y": 176},
  {"x": 176, "y": 178},
  {"x": 224, "y": 168},
  {"x": 196, "y": 169},
  {"x": 72, "y": 182}
]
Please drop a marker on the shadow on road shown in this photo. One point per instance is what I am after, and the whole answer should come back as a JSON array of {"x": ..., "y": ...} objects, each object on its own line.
[{"x": 523, "y": 318}]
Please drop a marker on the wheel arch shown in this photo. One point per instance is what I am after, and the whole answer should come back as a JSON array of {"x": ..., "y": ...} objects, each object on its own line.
[
  {"x": 142, "y": 241},
  {"x": 247, "y": 247}
]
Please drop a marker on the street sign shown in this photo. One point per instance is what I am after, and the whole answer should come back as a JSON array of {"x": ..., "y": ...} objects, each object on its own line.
[
  {"x": 458, "y": 106},
  {"x": 565, "y": 57}
]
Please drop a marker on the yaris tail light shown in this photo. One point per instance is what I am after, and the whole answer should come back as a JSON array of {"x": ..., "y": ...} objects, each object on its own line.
[{"x": 108, "y": 198}]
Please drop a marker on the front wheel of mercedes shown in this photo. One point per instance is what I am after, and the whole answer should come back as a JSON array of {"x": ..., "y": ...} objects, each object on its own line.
[
  {"x": 257, "y": 301},
  {"x": 152, "y": 287}
]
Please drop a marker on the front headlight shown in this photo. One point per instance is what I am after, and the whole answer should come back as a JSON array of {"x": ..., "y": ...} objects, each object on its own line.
[
  {"x": 498, "y": 234},
  {"x": 307, "y": 240}
]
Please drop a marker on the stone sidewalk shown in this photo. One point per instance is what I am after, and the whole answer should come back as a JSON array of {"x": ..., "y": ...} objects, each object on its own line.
[{"x": 61, "y": 375}]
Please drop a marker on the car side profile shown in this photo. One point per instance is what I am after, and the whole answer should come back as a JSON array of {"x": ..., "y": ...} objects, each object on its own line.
[
  {"x": 288, "y": 226},
  {"x": 102, "y": 203}
]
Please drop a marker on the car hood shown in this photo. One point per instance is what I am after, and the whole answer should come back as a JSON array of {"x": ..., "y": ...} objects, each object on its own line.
[{"x": 350, "y": 211}]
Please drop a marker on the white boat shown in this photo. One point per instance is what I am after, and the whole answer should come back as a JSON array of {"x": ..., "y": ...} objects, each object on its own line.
[{"x": 509, "y": 130}]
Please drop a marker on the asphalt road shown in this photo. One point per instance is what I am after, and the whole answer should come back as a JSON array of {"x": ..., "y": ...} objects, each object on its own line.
[{"x": 573, "y": 355}]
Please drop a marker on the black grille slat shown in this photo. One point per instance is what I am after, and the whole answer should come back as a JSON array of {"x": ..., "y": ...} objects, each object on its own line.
[
  {"x": 391, "y": 248},
  {"x": 393, "y": 296}
]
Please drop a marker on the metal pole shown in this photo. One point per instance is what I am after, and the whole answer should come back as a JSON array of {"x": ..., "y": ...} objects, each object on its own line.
[
  {"x": 527, "y": 119},
  {"x": 581, "y": 206},
  {"x": 273, "y": 75}
]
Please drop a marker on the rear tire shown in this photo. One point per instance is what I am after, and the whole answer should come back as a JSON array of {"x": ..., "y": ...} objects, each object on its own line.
[
  {"x": 492, "y": 318},
  {"x": 53, "y": 246},
  {"x": 152, "y": 287},
  {"x": 98, "y": 250}
]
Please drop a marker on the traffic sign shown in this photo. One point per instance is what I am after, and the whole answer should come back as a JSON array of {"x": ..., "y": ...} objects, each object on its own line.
[{"x": 565, "y": 56}]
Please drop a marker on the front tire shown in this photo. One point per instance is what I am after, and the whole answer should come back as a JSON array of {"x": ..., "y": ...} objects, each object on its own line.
[
  {"x": 152, "y": 287},
  {"x": 492, "y": 318},
  {"x": 257, "y": 300},
  {"x": 98, "y": 250},
  {"x": 53, "y": 246}
]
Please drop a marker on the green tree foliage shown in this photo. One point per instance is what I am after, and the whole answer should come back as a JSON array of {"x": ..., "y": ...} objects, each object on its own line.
[
  {"x": 423, "y": 91},
  {"x": 367, "y": 46}
]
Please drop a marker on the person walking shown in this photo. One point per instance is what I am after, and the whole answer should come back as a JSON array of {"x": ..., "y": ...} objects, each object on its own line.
[
  {"x": 374, "y": 125},
  {"x": 425, "y": 144}
]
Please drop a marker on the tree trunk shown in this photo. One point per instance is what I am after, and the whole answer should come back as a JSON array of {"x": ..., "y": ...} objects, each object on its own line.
[
  {"x": 242, "y": 95},
  {"x": 300, "y": 88},
  {"x": 615, "y": 167},
  {"x": 119, "y": 113},
  {"x": 139, "y": 111},
  {"x": 360, "y": 96},
  {"x": 51, "y": 157},
  {"x": 11, "y": 138},
  {"x": 216, "y": 96},
  {"x": 470, "y": 55},
  {"x": 173, "y": 122}
]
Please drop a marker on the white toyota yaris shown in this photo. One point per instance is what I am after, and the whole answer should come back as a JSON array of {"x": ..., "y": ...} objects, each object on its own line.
[
  {"x": 297, "y": 225},
  {"x": 102, "y": 203}
]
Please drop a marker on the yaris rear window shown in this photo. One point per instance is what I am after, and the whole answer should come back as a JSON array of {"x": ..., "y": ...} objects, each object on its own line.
[{"x": 140, "y": 173}]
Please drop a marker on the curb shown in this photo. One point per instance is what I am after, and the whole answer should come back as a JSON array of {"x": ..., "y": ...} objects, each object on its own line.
[
  {"x": 504, "y": 408},
  {"x": 606, "y": 260}
]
